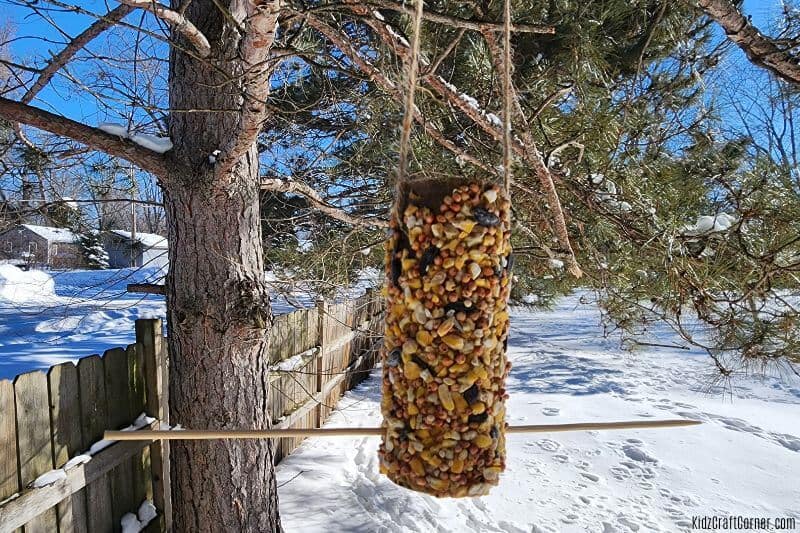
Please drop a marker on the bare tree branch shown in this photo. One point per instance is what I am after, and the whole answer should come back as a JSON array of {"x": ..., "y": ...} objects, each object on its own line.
[
  {"x": 93, "y": 137},
  {"x": 59, "y": 60},
  {"x": 296, "y": 187},
  {"x": 178, "y": 22},
  {"x": 759, "y": 48},
  {"x": 72, "y": 48}
]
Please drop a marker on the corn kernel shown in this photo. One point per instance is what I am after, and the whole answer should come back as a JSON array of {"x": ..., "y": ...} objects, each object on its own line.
[
  {"x": 483, "y": 441},
  {"x": 445, "y": 397}
]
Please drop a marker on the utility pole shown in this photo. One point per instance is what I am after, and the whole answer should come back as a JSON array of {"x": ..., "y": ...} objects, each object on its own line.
[{"x": 134, "y": 248}]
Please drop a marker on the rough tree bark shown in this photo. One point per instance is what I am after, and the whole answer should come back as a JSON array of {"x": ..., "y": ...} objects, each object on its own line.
[{"x": 218, "y": 306}]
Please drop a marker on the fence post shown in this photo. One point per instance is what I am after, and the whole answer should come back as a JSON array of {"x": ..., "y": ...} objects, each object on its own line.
[
  {"x": 148, "y": 336},
  {"x": 321, "y": 310}
]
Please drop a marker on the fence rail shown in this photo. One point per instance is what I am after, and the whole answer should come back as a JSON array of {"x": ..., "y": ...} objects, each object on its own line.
[{"x": 49, "y": 418}]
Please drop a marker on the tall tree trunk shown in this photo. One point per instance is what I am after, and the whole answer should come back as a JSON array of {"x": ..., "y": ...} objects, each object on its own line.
[{"x": 217, "y": 300}]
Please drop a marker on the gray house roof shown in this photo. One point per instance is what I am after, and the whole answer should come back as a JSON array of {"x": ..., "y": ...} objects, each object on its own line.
[
  {"x": 55, "y": 235},
  {"x": 148, "y": 240}
]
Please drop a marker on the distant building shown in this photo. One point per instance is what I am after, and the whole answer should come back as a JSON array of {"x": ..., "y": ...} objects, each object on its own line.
[
  {"x": 143, "y": 250},
  {"x": 27, "y": 244}
]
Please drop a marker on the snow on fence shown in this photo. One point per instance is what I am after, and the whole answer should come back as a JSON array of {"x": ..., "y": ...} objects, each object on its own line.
[
  {"x": 317, "y": 355},
  {"x": 56, "y": 473}
]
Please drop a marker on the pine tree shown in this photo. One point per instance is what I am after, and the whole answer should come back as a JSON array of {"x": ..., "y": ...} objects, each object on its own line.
[
  {"x": 94, "y": 253},
  {"x": 621, "y": 101}
]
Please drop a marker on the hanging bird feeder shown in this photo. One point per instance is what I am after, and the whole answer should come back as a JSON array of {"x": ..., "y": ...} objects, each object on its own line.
[{"x": 444, "y": 365}]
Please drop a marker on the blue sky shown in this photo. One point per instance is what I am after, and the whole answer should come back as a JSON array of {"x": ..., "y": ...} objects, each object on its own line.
[
  {"x": 72, "y": 105},
  {"x": 37, "y": 39}
]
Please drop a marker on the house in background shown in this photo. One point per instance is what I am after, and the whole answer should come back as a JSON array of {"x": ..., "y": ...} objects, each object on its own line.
[
  {"x": 139, "y": 250},
  {"x": 28, "y": 244}
]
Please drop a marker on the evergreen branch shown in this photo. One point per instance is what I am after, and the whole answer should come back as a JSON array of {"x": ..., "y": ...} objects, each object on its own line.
[
  {"x": 344, "y": 46},
  {"x": 458, "y": 22},
  {"x": 534, "y": 158},
  {"x": 526, "y": 149},
  {"x": 446, "y": 52}
]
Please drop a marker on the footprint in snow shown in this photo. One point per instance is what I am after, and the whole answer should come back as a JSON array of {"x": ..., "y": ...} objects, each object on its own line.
[
  {"x": 790, "y": 442},
  {"x": 551, "y": 411},
  {"x": 638, "y": 469},
  {"x": 691, "y": 415},
  {"x": 630, "y": 524},
  {"x": 591, "y": 477},
  {"x": 548, "y": 445},
  {"x": 570, "y": 518},
  {"x": 637, "y": 454}
]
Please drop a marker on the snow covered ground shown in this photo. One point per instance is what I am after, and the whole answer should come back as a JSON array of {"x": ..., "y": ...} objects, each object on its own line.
[
  {"x": 744, "y": 460},
  {"x": 44, "y": 321},
  {"x": 90, "y": 312}
]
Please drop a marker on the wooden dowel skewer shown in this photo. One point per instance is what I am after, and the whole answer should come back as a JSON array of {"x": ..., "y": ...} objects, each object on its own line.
[{"x": 211, "y": 434}]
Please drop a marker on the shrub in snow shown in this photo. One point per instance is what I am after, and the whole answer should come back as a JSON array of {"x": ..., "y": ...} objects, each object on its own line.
[
  {"x": 93, "y": 252},
  {"x": 20, "y": 287}
]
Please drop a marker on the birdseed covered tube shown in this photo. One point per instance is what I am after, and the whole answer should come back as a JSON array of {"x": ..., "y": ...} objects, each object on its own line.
[{"x": 444, "y": 363}]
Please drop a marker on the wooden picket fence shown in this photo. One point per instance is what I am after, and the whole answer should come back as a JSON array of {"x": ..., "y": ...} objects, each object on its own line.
[{"x": 46, "y": 418}]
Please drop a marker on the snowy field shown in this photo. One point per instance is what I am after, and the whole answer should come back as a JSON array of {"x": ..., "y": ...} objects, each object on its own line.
[
  {"x": 53, "y": 317},
  {"x": 744, "y": 460},
  {"x": 88, "y": 312}
]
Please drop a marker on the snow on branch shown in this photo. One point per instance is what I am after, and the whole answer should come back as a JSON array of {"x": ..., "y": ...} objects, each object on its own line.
[
  {"x": 151, "y": 142},
  {"x": 178, "y": 22},
  {"x": 96, "y": 138},
  {"x": 707, "y": 224}
]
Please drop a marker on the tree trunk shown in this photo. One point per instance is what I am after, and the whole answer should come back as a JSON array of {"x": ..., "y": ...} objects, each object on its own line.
[{"x": 218, "y": 307}]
